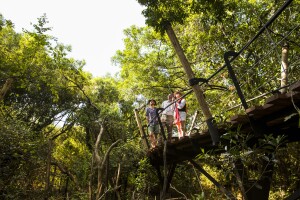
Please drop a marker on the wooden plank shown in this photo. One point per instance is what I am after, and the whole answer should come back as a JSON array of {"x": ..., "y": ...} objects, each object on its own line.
[
  {"x": 295, "y": 95},
  {"x": 275, "y": 121},
  {"x": 254, "y": 110},
  {"x": 284, "y": 99},
  {"x": 277, "y": 99},
  {"x": 239, "y": 119},
  {"x": 265, "y": 110},
  {"x": 271, "y": 108},
  {"x": 284, "y": 119},
  {"x": 295, "y": 86},
  {"x": 262, "y": 111}
]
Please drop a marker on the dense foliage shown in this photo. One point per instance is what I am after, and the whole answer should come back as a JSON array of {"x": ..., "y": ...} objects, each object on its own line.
[{"x": 65, "y": 134}]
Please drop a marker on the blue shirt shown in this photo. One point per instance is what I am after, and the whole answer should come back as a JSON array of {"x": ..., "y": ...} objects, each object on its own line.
[{"x": 151, "y": 114}]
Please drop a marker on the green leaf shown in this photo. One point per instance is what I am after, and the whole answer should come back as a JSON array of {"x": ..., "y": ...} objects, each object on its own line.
[{"x": 266, "y": 158}]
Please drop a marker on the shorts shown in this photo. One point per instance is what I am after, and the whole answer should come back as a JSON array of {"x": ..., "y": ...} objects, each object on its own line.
[
  {"x": 167, "y": 119},
  {"x": 182, "y": 115},
  {"x": 153, "y": 129}
]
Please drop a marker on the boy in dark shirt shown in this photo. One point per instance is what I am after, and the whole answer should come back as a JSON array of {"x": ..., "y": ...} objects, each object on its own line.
[{"x": 153, "y": 126}]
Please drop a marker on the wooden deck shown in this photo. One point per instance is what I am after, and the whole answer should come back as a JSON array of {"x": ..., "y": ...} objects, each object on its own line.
[{"x": 278, "y": 116}]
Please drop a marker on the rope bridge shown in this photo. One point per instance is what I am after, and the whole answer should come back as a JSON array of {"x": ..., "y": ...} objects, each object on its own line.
[{"x": 255, "y": 91}]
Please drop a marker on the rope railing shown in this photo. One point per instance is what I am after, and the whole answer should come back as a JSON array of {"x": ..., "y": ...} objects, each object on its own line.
[
  {"x": 271, "y": 79},
  {"x": 266, "y": 25}
]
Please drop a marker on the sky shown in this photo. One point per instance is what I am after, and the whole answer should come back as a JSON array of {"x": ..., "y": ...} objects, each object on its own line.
[{"x": 94, "y": 28}]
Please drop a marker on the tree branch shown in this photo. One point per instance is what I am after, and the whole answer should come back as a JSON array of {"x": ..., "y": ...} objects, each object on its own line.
[
  {"x": 67, "y": 172},
  {"x": 96, "y": 150},
  {"x": 107, "y": 153}
]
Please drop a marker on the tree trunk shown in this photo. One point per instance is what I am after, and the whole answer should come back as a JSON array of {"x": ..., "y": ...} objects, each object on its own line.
[
  {"x": 91, "y": 181},
  {"x": 117, "y": 182},
  {"x": 100, "y": 162},
  {"x": 106, "y": 174},
  {"x": 284, "y": 67},
  {"x": 5, "y": 88},
  {"x": 64, "y": 170},
  {"x": 264, "y": 182},
  {"x": 66, "y": 189},
  {"x": 53, "y": 176},
  {"x": 196, "y": 88},
  {"x": 239, "y": 181},
  {"x": 164, "y": 188},
  {"x": 48, "y": 168}
]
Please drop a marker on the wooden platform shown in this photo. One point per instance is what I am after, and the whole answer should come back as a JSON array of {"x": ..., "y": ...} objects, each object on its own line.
[
  {"x": 277, "y": 116},
  {"x": 183, "y": 149}
]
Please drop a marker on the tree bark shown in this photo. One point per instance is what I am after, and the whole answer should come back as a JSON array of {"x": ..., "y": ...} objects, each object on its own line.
[
  {"x": 164, "y": 188},
  {"x": 100, "y": 163},
  {"x": 117, "y": 183},
  {"x": 239, "y": 181},
  {"x": 284, "y": 67},
  {"x": 66, "y": 188},
  {"x": 68, "y": 173},
  {"x": 114, "y": 183},
  {"x": 48, "y": 168},
  {"x": 5, "y": 88}
]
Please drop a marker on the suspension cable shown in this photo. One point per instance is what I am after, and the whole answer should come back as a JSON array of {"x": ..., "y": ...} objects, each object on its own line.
[{"x": 278, "y": 12}]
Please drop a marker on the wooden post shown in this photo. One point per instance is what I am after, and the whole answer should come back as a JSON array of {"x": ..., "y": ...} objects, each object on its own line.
[
  {"x": 264, "y": 181},
  {"x": 284, "y": 67},
  {"x": 218, "y": 185},
  {"x": 196, "y": 88},
  {"x": 139, "y": 123},
  {"x": 164, "y": 188},
  {"x": 193, "y": 121}
]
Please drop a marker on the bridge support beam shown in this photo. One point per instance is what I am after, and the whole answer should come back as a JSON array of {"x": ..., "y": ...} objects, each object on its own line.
[
  {"x": 221, "y": 188},
  {"x": 213, "y": 131},
  {"x": 264, "y": 183},
  {"x": 294, "y": 196},
  {"x": 141, "y": 129},
  {"x": 258, "y": 127},
  {"x": 165, "y": 180}
]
